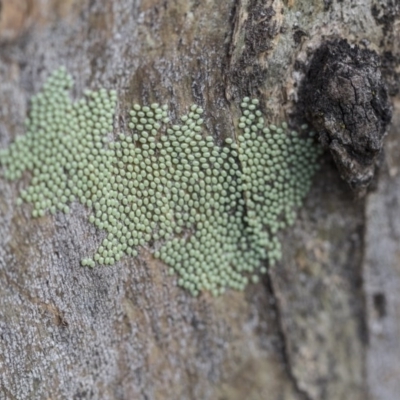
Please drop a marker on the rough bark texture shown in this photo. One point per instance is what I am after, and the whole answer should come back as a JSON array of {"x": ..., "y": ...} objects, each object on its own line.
[
  {"x": 345, "y": 98},
  {"x": 323, "y": 323}
]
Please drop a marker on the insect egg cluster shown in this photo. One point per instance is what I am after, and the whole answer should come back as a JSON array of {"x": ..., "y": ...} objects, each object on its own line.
[
  {"x": 210, "y": 212},
  {"x": 63, "y": 147}
]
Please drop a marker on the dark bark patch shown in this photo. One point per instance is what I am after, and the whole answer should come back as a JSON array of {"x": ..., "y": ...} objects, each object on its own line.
[
  {"x": 298, "y": 35},
  {"x": 345, "y": 98},
  {"x": 327, "y": 4},
  {"x": 257, "y": 33},
  {"x": 380, "y": 304},
  {"x": 385, "y": 13},
  {"x": 390, "y": 62}
]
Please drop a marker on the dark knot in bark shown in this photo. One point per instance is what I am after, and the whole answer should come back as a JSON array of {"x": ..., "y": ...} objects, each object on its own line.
[{"x": 344, "y": 97}]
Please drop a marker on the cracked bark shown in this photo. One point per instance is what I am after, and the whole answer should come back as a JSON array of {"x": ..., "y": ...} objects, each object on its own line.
[
  {"x": 344, "y": 97},
  {"x": 285, "y": 340},
  {"x": 322, "y": 325}
]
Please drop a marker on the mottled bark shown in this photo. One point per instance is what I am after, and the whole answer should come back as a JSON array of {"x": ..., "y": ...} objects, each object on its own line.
[{"x": 323, "y": 323}]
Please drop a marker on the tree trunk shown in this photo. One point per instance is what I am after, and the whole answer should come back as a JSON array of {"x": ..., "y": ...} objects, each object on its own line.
[{"x": 322, "y": 324}]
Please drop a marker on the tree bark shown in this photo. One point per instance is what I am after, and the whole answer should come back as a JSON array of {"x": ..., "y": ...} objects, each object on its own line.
[{"x": 322, "y": 324}]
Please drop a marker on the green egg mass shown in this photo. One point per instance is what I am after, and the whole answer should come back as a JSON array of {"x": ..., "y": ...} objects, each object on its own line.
[{"x": 210, "y": 212}]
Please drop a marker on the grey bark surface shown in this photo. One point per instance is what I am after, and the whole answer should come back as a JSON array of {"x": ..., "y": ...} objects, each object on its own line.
[{"x": 323, "y": 323}]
